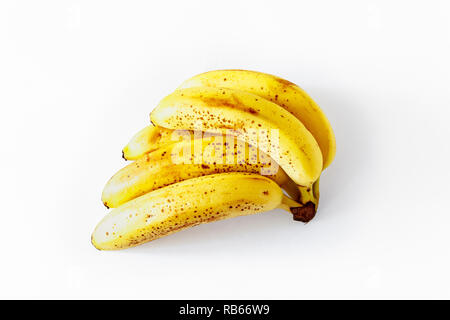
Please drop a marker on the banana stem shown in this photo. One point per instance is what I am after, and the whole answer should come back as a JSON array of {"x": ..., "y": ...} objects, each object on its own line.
[
  {"x": 291, "y": 189},
  {"x": 309, "y": 194},
  {"x": 301, "y": 212},
  {"x": 316, "y": 190}
]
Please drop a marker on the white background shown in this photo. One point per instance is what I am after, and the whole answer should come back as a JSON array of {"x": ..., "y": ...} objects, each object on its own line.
[{"x": 79, "y": 78}]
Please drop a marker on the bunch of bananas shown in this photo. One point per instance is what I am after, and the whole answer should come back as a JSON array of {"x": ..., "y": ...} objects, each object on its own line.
[{"x": 224, "y": 144}]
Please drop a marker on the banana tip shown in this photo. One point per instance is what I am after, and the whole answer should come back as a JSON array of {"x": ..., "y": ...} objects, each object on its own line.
[{"x": 94, "y": 243}]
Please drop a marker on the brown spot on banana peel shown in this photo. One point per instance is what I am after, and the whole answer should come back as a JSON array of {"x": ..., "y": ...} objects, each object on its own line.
[
  {"x": 305, "y": 213},
  {"x": 221, "y": 102}
]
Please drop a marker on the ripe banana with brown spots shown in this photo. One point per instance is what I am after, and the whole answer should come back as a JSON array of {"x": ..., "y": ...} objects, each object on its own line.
[
  {"x": 166, "y": 137},
  {"x": 186, "y": 204},
  {"x": 243, "y": 113},
  {"x": 280, "y": 91},
  {"x": 187, "y": 159}
]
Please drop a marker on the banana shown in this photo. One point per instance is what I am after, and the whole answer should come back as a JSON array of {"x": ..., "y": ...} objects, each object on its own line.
[
  {"x": 209, "y": 109},
  {"x": 283, "y": 92},
  {"x": 188, "y": 159},
  {"x": 303, "y": 195},
  {"x": 186, "y": 204},
  {"x": 148, "y": 139}
]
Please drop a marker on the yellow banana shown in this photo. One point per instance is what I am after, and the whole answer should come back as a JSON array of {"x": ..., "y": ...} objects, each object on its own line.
[
  {"x": 148, "y": 139},
  {"x": 188, "y": 159},
  {"x": 303, "y": 194},
  {"x": 188, "y": 203},
  {"x": 209, "y": 109},
  {"x": 283, "y": 92}
]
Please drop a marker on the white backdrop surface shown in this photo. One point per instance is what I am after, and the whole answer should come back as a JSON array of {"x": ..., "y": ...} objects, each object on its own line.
[{"x": 79, "y": 78}]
